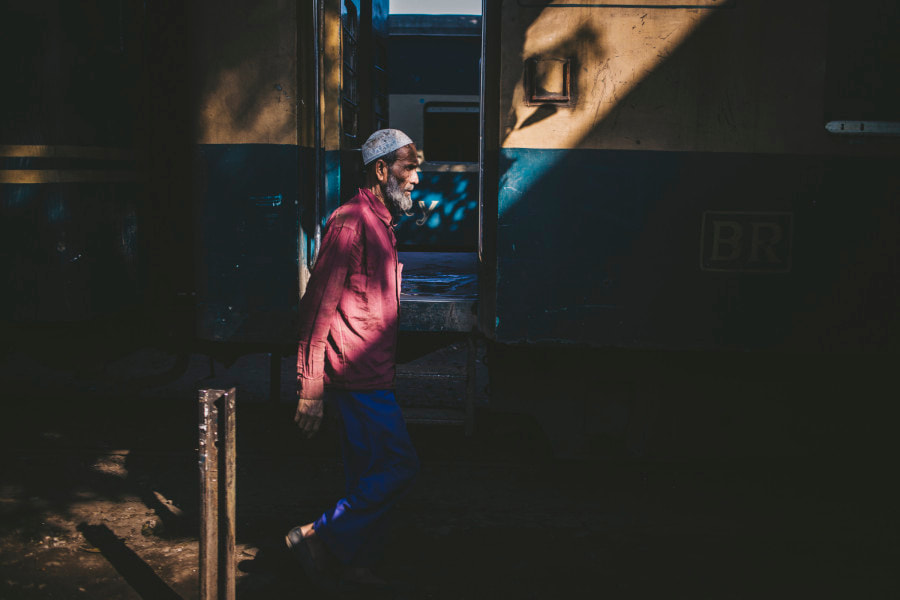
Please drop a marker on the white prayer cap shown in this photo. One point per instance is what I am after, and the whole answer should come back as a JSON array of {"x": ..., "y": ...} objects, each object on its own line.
[{"x": 383, "y": 142}]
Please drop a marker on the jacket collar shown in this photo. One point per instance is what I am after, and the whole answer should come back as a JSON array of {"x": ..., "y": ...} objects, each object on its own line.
[{"x": 377, "y": 206}]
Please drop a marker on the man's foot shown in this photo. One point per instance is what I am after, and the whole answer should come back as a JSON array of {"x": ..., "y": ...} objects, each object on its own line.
[{"x": 313, "y": 556}]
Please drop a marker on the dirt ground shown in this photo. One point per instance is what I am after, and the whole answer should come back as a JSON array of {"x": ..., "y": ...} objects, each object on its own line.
[{"x": 99, "y": 499}]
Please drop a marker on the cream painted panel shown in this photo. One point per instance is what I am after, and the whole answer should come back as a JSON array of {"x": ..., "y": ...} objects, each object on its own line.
[
  {"x": 244, "y": 64},
  {"x": 637, "y": 3},
  {"x": 748, "y": 78},
  {"x": 332, "y": 76}
]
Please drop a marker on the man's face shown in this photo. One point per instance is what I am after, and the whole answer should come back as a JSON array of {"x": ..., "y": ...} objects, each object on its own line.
[{"x": 401, "y": 178}]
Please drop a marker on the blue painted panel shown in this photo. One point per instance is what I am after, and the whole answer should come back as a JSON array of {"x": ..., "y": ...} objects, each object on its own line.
[
  {"x": 445, "y": 206},
  {"x": 604, "y": 247},
  {"x": 248, "y": 209},
  {"x": 333, "y": 184}
]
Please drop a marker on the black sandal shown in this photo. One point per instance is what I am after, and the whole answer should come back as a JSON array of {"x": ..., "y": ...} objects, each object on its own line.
[{"x": 320, "y": 575}]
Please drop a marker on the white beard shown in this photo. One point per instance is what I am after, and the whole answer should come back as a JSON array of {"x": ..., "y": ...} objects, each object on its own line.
[{"x": 398, "y": 201}]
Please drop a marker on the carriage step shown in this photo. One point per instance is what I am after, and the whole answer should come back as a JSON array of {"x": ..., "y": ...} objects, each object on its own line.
[
  {"x": 433, "y": 416},
  {"x": 407, "y": 372}
]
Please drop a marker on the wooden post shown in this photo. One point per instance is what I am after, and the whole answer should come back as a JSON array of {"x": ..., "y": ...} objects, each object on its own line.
[
  {"x": 227, "y": 554},
  {"x": 209, "y": 495},
  {"x": 217, "y": 558}
]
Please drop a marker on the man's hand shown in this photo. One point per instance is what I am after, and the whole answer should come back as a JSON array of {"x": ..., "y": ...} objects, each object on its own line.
[{"x": 309, "y": 416}]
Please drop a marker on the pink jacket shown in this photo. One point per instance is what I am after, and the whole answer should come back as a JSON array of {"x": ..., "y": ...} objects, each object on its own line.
[{"x": 349, "y": 313}]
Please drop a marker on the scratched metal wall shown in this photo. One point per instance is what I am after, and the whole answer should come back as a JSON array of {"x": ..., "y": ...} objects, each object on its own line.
[
  {"x": 249, "y": 164},
  {"x": 687, "y": 194}
]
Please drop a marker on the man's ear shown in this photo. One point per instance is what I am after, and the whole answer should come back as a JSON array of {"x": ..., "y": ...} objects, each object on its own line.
[{"x": 381, "y": 170}]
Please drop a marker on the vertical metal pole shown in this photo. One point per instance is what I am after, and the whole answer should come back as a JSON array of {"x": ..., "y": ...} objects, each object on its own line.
[
  {"x": 217, "y": 557},
  {"x": 209, "y": 496},
  {"x": 319, "y": 167},
  {"x": 482, "y": 148},
  {"x": 229, "y": 467},
  {"x": 471, "y": 352}
]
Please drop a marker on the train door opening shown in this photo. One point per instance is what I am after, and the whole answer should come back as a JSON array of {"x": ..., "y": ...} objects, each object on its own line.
[
  {"x": 420, "y": 73},
  {"x": 434, "y": 96},
  {"x": 434, "y": 84},
  {"x": 379, "y": 66}
]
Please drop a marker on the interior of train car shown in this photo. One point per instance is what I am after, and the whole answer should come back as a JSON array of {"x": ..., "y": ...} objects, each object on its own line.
[{"x": 434, "y": 97}]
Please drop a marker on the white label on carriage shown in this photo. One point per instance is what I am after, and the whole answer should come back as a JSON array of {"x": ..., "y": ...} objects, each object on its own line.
[{"x": 750, "y": 242}]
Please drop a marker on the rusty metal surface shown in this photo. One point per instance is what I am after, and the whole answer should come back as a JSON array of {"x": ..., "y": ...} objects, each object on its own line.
[
  {"x": 217, "y": 487},
  {"x": 209, "y": 494},
  {"x": 227, "y": 555}
]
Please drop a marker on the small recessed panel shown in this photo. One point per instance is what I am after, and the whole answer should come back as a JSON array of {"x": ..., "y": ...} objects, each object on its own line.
[{"x": 547, "y": 80}]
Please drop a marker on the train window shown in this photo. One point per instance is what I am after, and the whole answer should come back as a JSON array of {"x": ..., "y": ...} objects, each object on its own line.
[
  {"x": 350, "y": 117},
  {"x": 380, "y": 51},
  {"x": 451, "y": 132},
  {"x": 350, "y": 51},
  {"x": 350, "y": 15},
  {"x": 350, "y": 81}
]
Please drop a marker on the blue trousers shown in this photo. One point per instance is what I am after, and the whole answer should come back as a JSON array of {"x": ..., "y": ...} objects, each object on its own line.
[{"x": 379, "y": 466}]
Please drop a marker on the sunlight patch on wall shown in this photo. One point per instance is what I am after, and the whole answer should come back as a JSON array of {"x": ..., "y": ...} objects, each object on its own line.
[{"x": 611, "y": 51}]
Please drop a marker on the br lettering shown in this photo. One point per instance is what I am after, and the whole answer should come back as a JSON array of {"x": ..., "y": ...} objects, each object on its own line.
[{"x": 736, "y": 241}]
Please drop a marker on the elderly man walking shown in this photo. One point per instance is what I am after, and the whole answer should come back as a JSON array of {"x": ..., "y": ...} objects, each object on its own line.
[{"x": 348, "y": 338}]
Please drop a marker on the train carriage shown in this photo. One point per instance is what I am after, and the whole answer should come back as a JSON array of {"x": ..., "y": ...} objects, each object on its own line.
[
  {"x": 705, "y": 192},
  {"x": 686, "y": 209},
  {"x": 676, "y": 175}
]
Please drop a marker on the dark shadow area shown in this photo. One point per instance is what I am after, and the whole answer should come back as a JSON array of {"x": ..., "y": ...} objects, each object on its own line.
[
  {"x": 471, "y": 524},
  {"x": 543, "y": 112},
  {"x": 135, "y": 571}
]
